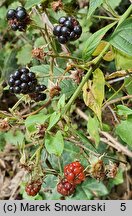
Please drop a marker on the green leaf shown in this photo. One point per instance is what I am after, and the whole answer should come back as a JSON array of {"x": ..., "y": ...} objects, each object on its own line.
[
  {"x": 31, "y": 3},
  {"x": 32, "y": 121},
  {"x": 67, "y": 86},
  {"x": 2, "y": 12},
  {"x": 124, "y": 130},
  {"x": 93, "y": 5},
  {"x": 50, "y": 183},
  {"x": 93, "y": 129},
  {"x": 128, "y": 85},
  {"x": 54, "y": 144},
  {"x": 24, "y": 56},
  {"x": 9, "y": 63},
  {"x": 122, "y": 60},
  {"x": 40, "y": 68},
  {"x": 94, "y": 40},
  {"x": 123, "y": 110},
  {"x": 113, "y": 3},
  {"x": 88, "y": 188},
  {"x": 14, "y": 137},
  {"x": 116, "y": 181},
  {"x": 122, "y": 37},
  {"x": 2, "y": 141},
  {"x": 54, "y": 118},
  {"x": 61, "y": 102},
  {"x": 93, "y": 94}
]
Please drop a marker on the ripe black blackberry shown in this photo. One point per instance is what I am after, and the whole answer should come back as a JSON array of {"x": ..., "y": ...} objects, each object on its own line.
[
  {"x": 40, "y": 88},
  {"x": 38, "y": 96},
  {"x": 24, "y": 81},
  {"x": 18, "y": 19},
  {"x": 68, "y": 29},
  {"x": 19, "y": 81}
]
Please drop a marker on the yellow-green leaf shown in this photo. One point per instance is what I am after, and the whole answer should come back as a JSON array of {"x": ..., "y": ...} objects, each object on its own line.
[
  {"x": 93, "y": 92},
  {"x": 93, "y": 129}
]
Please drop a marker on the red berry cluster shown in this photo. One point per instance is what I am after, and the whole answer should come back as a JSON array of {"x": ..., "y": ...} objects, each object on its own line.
[
  {"x": 33, "y": 188},
  {"x": 74, "y": 174}
]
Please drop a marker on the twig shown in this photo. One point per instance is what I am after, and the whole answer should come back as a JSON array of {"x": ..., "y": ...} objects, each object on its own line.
[
  {"x": 117, "y": 145},
  {"x": 82, "y": 146},
  {"x": 118, "y": 74},
  {"x": 96, "y": 154},
  {"x": 117, "y": 100},
  {"x": 110, "y": 140},
  {"x": 105, "y": 17},
  {"x": 117, "y": 79},
  {"x": 113, "y": 113},
  {"x": 36, "y": 111}
]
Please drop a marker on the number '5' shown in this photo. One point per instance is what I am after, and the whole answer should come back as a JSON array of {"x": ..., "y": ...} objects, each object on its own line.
[{"x": 123, "y": 207}]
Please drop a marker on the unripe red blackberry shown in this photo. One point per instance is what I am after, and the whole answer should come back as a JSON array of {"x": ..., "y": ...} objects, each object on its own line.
[
  {"x": 33, "y": 188},
  {"x": 74, "y": 172},
  {"x": 68, "y": 29},
  {"x": 65, "y": 188}
]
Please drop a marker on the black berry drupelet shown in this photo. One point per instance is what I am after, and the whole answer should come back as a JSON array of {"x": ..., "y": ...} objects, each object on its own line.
[
  {"x": 18, "y": 19},
  {"x": 57, "y": 30},
  {"x": 23, "y": 81},
  {"x": 21, "y": 14},
  {"x": 68, "y": 29},
  {"x": 11, "y": 14}
]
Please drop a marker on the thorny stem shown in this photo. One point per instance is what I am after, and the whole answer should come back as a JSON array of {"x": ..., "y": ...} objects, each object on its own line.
[
  {"x": 38, "y": 110},
  {"x": 60, "y": 168},
  {"x": 51, "y": 73},
  {"x": 17, "y": 104},
  {"x": 125, "y": 15},
  {"x": 64, "y": 56},
  {"x": 95, "y": 154},
  {"x": 105, "y": 17},
  {"x": 38, "y": 153},
  {"x": 127, "y": 97},
  {"x": 116, "y": 92},
  {"x": 78, "y": 90}
]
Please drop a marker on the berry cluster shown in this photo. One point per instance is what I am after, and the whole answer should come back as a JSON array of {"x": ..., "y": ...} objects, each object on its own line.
[
  {"x": 68, "y": 29},
  {"x": 33, "y": 188},
  {"x": 74, "y": 174},
  {"x": 25, "y": 82},
  {"x": 17, "y": 19},
  {"x": 65, "y": 188}
]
